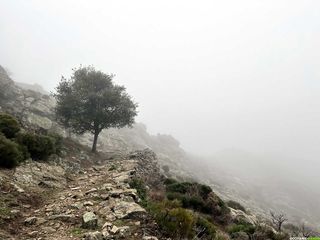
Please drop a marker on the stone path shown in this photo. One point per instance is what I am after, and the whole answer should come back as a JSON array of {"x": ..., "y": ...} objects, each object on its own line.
[{"x": 99, "y": 204}]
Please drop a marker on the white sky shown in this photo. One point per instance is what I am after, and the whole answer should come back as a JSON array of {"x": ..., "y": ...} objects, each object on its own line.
[{"x": 214, "y": 74}]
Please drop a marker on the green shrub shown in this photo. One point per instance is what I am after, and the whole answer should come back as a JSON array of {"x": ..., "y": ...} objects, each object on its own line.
[
  {"x": 175, "y": 221},
  {"x": 139, "y": 185},
  {"x": 204, "y": 191},
  {"x": 236, "y": 205},
  {"x": 247, "y": 228},
  {"x": 205, "y": 229},
  {"x": 169, "y": 181},
  {"x": 57, "y": 141},
  {"x": 9, "y": 126},
  {"x": 39, "y": 146},
  {"x": 179, "y": 187},
  {"x": 10, "y": 155}
]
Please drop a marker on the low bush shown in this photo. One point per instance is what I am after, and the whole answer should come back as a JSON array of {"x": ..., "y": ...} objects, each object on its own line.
[
  {"x": 175, "y": 221},
  {"x": 200, "y": 198},
  {"x": 205, "y": 229},
  {"x": 39, "y": 146},
  {"x": 10, "y": 155},
  {"x": 169, "y": 181},
  {"x": 9, "y": 126},
  {"x": 247, "y": 228},
  {"x": 179, "y": 187}
]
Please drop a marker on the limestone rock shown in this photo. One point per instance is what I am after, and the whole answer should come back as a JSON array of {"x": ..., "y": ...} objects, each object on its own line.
[
  {"x": 128, "y": 210},
  {"x": 89, "y": 220}
]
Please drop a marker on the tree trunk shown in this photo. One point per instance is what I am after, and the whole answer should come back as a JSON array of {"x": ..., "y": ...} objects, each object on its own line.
[{"x": 95, "y": 140}]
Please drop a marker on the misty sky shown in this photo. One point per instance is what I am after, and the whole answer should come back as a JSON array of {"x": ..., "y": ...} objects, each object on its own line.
[{"x": 214, "y": 74}]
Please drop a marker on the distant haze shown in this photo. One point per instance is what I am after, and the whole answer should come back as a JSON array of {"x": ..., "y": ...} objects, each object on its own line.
[{"x": 214, "y": 74}]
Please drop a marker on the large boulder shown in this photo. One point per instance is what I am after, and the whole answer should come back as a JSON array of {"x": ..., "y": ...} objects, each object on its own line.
[{"x": 128, "y": 210}]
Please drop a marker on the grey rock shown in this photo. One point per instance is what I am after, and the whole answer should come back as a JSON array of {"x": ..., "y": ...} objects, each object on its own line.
[
  {"x": 89, "y": 220},
  {"x": 128, "y": 210},
  {"x": 30, "y": 221},
  {"x": 114, "y": 230}
]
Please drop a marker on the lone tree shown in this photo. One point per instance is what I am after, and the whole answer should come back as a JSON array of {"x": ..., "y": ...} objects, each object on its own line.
[
  {"x": 89, "y": 102},
  {"x": 278, "y": 220}
]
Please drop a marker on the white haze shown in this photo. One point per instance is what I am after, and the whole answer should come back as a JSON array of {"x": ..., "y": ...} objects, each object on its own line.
[{"x": 214, "y": 74}]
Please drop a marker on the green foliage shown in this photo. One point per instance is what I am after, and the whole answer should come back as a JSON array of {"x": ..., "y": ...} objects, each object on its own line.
[
  {"x": 57, "y": 141},
  {"x": 40, "y": 146},
  {"x": 90, "y": 102},
  {"x": 174, "y": 220},
  {"x": 139, "y": 185},
  {"x": 169, "y": 181},
  {"x": 179, "y": 187},
  {"x": 198, "y": 197},
  {"x": 206, "y": 229},
  {"x": 247, "y": 228},
  {"x": 204, "y": 191},
  {"x": 9, "y": 126},
  {"x": 236, "y": 205},
  {"x": 10, "y": 155}
]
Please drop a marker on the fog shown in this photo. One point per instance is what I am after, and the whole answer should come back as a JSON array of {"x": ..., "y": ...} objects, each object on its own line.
[{"x": 214, "y": 74}]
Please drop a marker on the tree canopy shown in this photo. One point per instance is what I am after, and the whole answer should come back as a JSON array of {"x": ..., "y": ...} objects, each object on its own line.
[{"x": 90, "y": 101}]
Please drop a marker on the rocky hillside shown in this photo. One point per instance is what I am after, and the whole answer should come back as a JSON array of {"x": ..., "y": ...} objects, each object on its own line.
[
  {"x": 80, "y": 195},
  {"x": 50, "y": 201}
]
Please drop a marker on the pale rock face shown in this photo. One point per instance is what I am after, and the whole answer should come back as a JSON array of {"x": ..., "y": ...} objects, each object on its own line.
[
  {"x": 39, "y": 121},
  {"x": 240, "y": 216}
]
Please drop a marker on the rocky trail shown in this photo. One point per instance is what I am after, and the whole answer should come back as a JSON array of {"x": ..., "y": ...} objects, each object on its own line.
[{"x": 95, "y": 204}]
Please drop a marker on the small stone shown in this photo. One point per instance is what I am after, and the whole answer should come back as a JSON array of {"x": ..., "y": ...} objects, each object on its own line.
[
  {"x": 104, "y": 196},
  {"x": 89, "y": 220},
  {"x": 137, "y": 223},
  {"x": 107, "y": 225},
  {"x": 30, "y": 221},
  {"x": 40, "y": 221},
  {"x": 125, "y": 230},
  {"x": 105, "y": 233},
  {"x": 15, "y": 211},
  {"x": 88, "y": 203},
  {"x": 76, "y": 206},
  {"x": 114, "y": 230},
  {"x": 91, "y": 191},
  {"x": 48, "y": 230},
  {"x": 33, "y": 233},
  {"x": 19, "y": 189}
]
